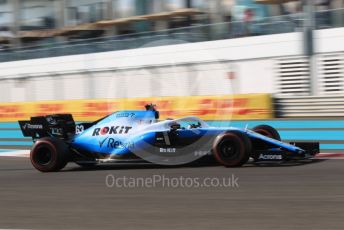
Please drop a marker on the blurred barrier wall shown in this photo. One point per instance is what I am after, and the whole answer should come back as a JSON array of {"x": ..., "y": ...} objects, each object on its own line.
[
  {"x": 310, "y": 106},
  {"x": 249, "y": 106},
  {"x": 261, "y": 64}
]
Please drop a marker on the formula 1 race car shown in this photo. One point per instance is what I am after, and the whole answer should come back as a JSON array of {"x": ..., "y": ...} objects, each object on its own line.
[{"x": 138, "y": 136}]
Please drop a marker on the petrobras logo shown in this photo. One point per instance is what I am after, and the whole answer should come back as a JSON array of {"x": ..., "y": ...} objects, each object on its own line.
[
  {"x": 270, "y": 157},
  {"x": 29, "y": 126},
  {"x": 109, "y": 130}
]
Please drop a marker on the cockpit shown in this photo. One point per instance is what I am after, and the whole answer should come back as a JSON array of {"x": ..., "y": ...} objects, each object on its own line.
[{"x": 187, "y": 123}]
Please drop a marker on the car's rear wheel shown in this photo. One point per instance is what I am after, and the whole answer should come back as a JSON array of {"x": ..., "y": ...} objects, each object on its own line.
[
  {"x": 267, "y": 131},
  {"x": 49, "y": 154},
  {"x": 232, "y": 149}
]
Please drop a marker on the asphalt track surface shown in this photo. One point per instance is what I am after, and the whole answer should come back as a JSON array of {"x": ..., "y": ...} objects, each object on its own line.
[{"x": 307, "y": 196}]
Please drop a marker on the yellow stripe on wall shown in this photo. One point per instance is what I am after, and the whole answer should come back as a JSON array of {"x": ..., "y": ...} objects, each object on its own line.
[{"x": 224, "y": 107}]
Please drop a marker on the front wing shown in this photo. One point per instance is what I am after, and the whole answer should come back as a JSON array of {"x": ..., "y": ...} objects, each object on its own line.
[{"x": 308, "y": 151}]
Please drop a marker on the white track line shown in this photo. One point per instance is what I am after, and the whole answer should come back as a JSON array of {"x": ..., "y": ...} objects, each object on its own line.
[
  {"x": 330, "y": 156},
  {"x": 16, "y": 153}
]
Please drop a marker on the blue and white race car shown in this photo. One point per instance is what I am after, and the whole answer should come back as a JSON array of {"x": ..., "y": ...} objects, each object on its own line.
[{"x": 138, "y": 136}]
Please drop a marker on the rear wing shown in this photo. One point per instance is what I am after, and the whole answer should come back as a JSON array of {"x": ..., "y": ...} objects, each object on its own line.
[{"x": 57, "y": 125}]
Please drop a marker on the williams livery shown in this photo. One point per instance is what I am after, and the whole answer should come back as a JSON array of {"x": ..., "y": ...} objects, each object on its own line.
[{"x": 138, "y": 136}]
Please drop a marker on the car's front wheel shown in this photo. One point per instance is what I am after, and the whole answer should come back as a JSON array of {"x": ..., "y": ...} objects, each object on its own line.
[
  {"x": 49, "y": 154},
  {"x": 232, "y": 149}
]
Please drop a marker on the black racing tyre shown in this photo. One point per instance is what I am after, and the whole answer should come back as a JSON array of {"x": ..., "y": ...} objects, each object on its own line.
[
  {"x": 49, "y": 154},
  {"x": 267, "y": 131},
  {"x": 232, "y": 149}
]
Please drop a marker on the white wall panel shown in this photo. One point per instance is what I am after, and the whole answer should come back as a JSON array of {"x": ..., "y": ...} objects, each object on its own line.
[
  {"x": 212, "y": 79},
  {"x": 5, "y": 90},
  {"x": 173, "y": 80},
  {"x": 105, "y": 85},
  {"x": 75, "y": 86},
  {"x": 329, "y": 40},
  {"x": 44, "y": 88},
  {"x": 256, "y": 76},
  {"x": 138, "y": 83},
  {"x": 18, "y": 90}
]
